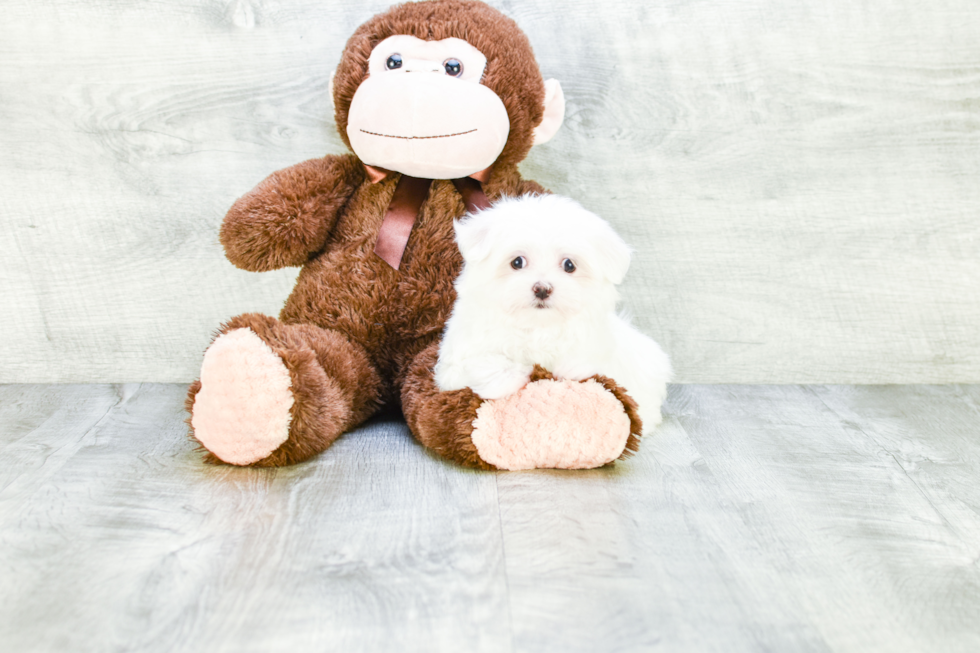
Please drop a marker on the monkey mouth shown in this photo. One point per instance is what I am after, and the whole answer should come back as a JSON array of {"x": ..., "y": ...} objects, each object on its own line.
[{"x": 418, "y": 138}]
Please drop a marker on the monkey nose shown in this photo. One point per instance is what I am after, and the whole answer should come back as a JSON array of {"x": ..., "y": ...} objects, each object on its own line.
[{"x": 541, "y": 290}]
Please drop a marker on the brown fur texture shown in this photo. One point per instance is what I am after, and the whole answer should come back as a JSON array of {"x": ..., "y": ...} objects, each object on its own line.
[
  {"x": 290, "y": 214},
  {"x": 356, "y": 333},
  {"x": 442, "y": 421}
]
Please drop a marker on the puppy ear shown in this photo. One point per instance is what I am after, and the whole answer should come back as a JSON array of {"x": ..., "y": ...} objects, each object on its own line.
[
  {"x": 473, "y": 236},
  {"x": 613, "y": 255}
]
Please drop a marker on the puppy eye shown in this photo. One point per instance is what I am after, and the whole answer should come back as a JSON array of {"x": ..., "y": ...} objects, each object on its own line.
[
  {"x": 394, "y": 61},
  {"x": 453, "y": 67},
  {"x": 568, "y": 265},
  {"x": 518, "y": 263}
]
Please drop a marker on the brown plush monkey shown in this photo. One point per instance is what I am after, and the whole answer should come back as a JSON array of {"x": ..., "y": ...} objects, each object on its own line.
[{"x": 440, "y": 101}]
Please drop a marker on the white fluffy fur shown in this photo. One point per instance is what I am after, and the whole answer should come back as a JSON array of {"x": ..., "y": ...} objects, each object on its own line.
[{"x": 499, "y": 329}]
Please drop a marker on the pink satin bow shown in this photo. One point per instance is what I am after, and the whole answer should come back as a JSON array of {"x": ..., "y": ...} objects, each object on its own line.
[{"x": 410, "y": 194}]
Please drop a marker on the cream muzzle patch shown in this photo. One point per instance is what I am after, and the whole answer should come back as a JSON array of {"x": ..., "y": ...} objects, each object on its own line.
[{"x": 423, "y": 112}]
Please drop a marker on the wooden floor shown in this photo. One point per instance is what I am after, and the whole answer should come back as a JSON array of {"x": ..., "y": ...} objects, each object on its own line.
[{"x": 758, "y": 518}]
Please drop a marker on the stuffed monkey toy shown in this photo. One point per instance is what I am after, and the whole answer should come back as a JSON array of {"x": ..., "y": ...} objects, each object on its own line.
[{"x": 439, "y": 101}]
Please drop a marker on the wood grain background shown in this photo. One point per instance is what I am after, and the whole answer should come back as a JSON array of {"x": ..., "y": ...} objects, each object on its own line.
[{"x": 799, "y": 180}]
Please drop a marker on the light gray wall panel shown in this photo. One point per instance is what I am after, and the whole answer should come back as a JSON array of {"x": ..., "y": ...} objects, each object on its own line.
[{"x": 799, "y": 180}]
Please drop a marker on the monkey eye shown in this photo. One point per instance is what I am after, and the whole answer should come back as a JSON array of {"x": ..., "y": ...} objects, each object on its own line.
[
  {"x": 453, "y": 67},
  {"x": 568, "y": 265},
  {"x": 518, "y": 263},
  {"x": 394, "y": 61}
]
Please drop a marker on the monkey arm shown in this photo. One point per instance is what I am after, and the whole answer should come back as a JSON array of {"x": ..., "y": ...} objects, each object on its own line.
[{"x": 290, "y": 214}]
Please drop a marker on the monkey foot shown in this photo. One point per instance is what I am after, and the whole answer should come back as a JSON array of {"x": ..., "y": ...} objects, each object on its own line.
[
  {"x": 557, "y": 424},
  {"x": 241, "y": 413}
]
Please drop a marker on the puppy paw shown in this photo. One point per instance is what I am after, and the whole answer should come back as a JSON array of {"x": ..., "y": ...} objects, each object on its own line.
[
  {"x": 575, "y": 371},
  {"x": 502, "y": 383}
]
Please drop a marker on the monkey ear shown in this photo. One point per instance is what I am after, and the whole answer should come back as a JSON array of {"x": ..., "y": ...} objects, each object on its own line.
[
  {"x": 473, "y": 236},
  {"x": 554, "y": 112}
]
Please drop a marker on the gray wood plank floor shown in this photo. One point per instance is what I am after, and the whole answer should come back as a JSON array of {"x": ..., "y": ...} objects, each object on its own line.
[{"x": 758, "y": 518}]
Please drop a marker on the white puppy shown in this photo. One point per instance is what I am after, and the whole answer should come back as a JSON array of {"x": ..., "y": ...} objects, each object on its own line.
[{"x": 539, "y": 286}]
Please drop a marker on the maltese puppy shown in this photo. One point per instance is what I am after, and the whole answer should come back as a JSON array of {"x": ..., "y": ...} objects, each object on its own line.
[{"x": 538, "y": 285}]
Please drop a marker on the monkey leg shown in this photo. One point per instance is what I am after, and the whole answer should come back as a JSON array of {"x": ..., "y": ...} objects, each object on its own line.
[
  {"x": 548, "y": 424},
  {"x": 274, "y": 394}
]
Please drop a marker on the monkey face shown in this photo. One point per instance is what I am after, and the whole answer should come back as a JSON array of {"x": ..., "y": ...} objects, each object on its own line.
[
  {"x": 464, "y": 84},
  {"x": 422, "y": 110}
]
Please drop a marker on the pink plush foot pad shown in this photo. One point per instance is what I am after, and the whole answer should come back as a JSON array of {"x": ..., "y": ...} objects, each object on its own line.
[
  {"x": 241, "y": 413},
  {"x": 552, "y": 424}
]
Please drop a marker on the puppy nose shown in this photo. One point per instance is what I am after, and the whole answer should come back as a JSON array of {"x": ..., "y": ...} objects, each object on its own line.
[{"x": 541, "y": 290}]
